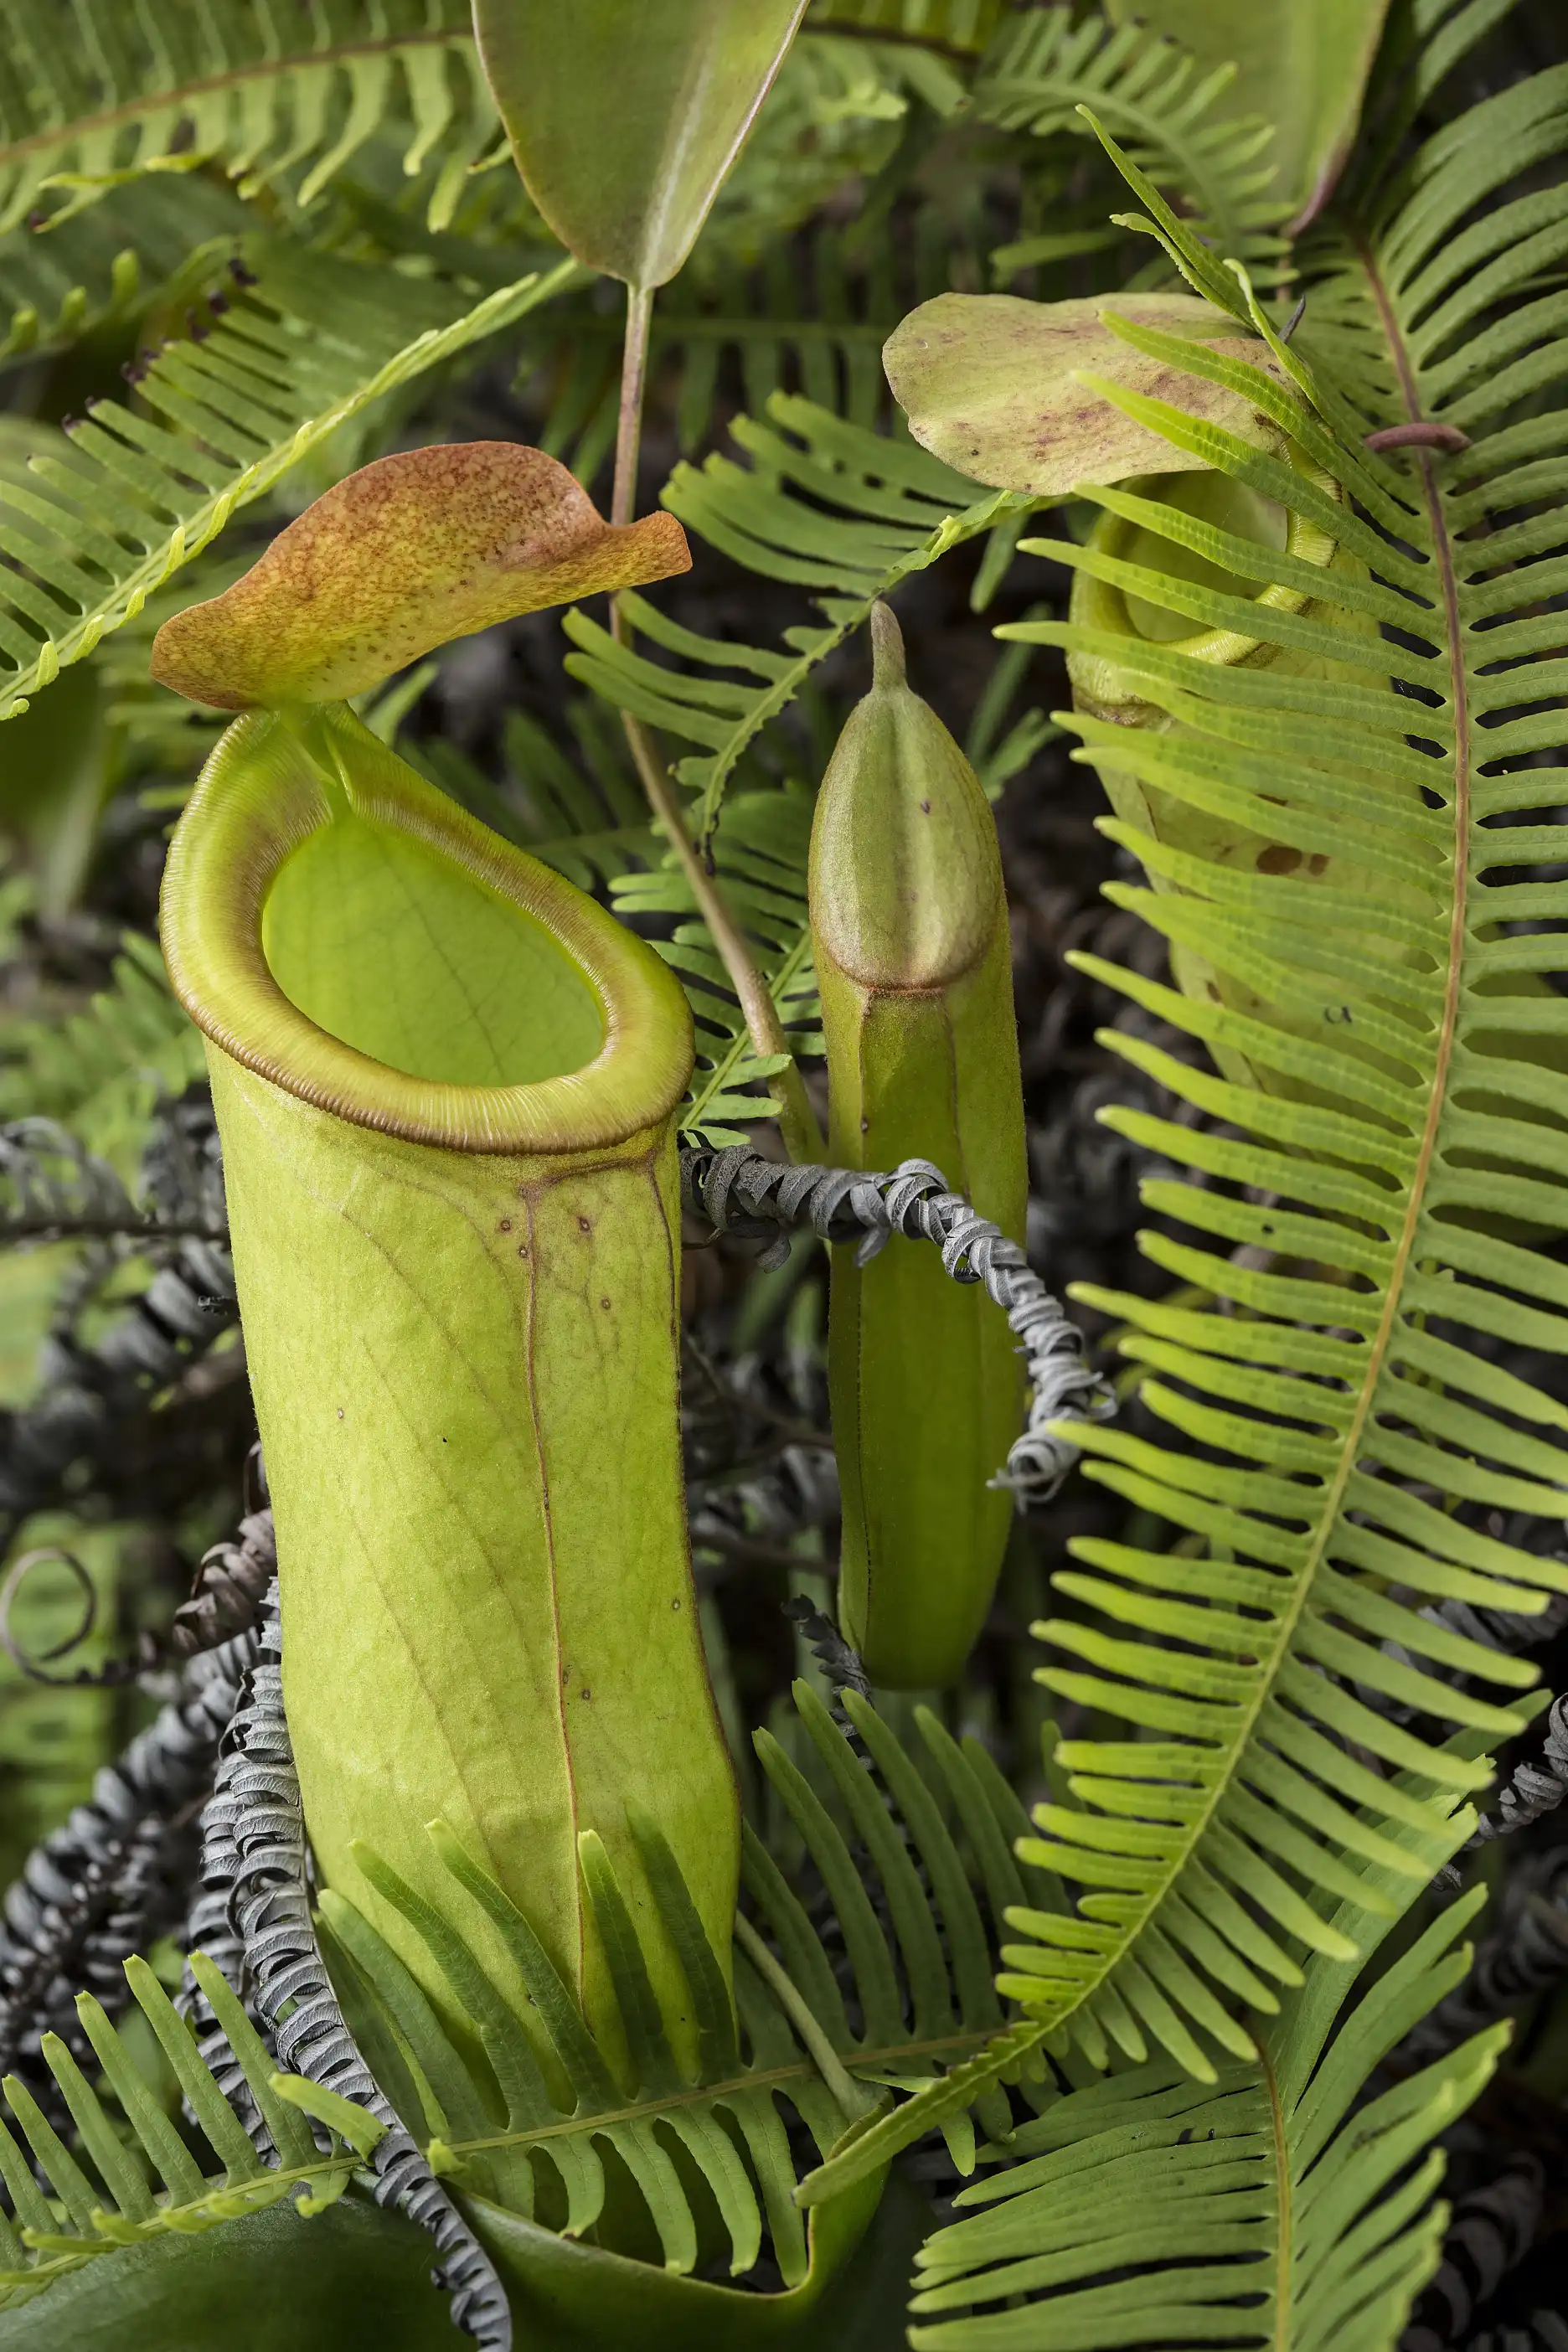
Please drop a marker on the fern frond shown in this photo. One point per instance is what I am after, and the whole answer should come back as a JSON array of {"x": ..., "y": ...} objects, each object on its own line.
[
  {"x": 1154, "y": 96},
  {"x": 127, "y": 499},
  {"x": 278, "y": 96},
  {"x": 1380, "y": 973},
  {"x": 812, "y": 318},
  {"x": 918, "y": 1986},
  {"x": 100, "y": 1071},
  {"x": 838, "y": 112},
  {"x": 1261, "y": 2211},
  {"x": 760, "y": 860},
  {"x": 107, "y": 267},
  {"x": 135, "y": 2179},
  {"x": 824, "y": 505},
  {"x": 584, "y": 815}
]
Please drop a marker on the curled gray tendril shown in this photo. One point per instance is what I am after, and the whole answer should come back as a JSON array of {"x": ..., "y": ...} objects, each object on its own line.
[
  {"x": 255, "y": 1895},
  {"x": 35, "y": 1665},
  {"x": 1490, "y": 2232},
  {"x": 230, "y": 1586},
  {"x": 738, "y": 1191},
  {"x": 1535, "y": 1787},
  {"x": 92, "y": 1892}
]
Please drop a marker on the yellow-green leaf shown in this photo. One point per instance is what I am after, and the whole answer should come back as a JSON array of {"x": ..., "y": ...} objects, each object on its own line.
[
  {"x": 416, "y": 549},
  {"x": 993, "y": 384}
]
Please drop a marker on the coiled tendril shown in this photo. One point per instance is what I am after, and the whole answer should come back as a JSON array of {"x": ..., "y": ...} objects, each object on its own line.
[
  {"x": 254, "y": 1889},
  {"x": 738, "y": 1191}
]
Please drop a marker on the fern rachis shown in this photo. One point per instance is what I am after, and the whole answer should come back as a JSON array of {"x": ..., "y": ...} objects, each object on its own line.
[{"x": 1202, "y": 1852}]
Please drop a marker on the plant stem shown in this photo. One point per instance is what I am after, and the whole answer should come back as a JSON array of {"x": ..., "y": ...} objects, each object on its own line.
[
  {"x": 792, "y": 1105},
  {"x": 634, "y": 375}
]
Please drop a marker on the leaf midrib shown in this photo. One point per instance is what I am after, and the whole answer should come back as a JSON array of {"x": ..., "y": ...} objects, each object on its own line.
[{"x": 762, "y": 2078}]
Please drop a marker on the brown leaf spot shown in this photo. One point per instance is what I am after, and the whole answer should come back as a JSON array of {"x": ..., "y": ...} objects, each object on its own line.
[{"x": 1279, "y": 859}]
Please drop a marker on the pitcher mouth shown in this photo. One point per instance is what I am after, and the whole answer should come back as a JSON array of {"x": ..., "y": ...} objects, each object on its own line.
[{"x": 608, "y": 1055}]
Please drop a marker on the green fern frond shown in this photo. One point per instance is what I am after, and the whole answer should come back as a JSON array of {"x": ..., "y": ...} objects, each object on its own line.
[
  {"x": 1153, "y": 95},
  {"x": 105, "y": 267},
  {"x": 586, "y": 815},
  {"x": 100, "y": 1071},
  {"x": 824, "y": 505},
  {"x": 917, "y": 1986},
  {"x": 837, "y": 114},
  {"x": 281, "y": 97},
  {"x": 1336, "y": 1436},
  {"x": 1259, "y": 2211},
  {"x": 135, "y": 2179},
  {"x": 135, "y": 490},
  {"x": 761, "y": 858},
  {"x": 1420, "y": 47}
]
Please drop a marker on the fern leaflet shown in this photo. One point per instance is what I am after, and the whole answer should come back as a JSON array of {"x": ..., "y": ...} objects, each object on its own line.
[
  {"x": 143, "y": 2181},
  {"x": 760, "y": 861},
  {"x": 1149, "y": 92},
  {"x": 102, "y": 268},
  {"x": 962, "y": 25},
  {"x": 1259, "y": 2212},
  {"x": 921, "y": 1995},
  {"x": 100, "y": 1071}
]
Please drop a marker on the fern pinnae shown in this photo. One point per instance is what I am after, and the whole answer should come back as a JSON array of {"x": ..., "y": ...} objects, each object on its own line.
[
  {"x": 1045, "y": 68},
  {"x": 760, "y": 860},
  {"x": 283, "y": 99},
  {"x": 923, "y": 1997},
  {"x": 1269, "y": 2209},
  {"x": 825, "y": 505},
  {"x": 149, "y": 2182}
]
